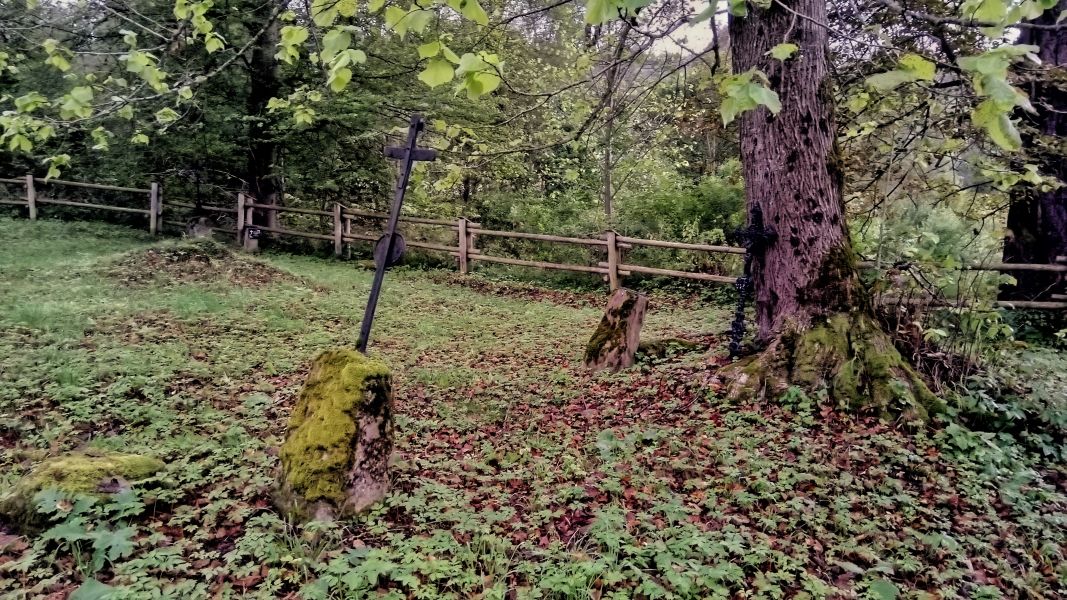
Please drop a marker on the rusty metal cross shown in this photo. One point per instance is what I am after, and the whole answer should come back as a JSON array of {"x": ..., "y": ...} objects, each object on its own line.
[{"x": 385, "y": 251}]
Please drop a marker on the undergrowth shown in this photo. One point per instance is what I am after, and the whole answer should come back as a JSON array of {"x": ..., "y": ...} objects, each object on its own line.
[{"x": 517, "y": 474}]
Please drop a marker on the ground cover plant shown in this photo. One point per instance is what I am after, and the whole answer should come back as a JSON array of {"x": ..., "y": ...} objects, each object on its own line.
[{"x": 517, "y": 475}]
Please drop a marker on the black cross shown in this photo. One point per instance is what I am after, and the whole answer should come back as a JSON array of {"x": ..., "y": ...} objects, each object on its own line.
[
  {"x": 755, "y": 238},
  {"x": 383, "y": 251}
]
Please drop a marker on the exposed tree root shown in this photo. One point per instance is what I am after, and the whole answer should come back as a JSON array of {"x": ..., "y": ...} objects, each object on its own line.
[{"x": 846, "y": 356}]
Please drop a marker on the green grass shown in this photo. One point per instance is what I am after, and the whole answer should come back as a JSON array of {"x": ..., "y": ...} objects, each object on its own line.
[{"x": 517, "y": 474}]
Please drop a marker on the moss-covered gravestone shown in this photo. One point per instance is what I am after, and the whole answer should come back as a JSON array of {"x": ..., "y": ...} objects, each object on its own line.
[
  {"x": 336, "y": 454},
  {"x": 92, "y": 472},
  {"x": 615, "y": 341}
]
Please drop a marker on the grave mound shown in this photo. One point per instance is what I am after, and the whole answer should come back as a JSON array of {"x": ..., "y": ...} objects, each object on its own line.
[{"x": 194, "y": 261}]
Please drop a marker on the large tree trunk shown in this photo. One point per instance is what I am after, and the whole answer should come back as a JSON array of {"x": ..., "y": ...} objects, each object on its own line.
[
  {"x": 812, "y": 311},
  {"x": 264, "y": 84},
  {"x": 793, "y": 172},
  {"x": 1037, "y": 221}
]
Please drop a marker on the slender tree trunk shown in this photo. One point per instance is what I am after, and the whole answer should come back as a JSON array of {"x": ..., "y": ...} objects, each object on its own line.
[
  {"x": 1037, "y": 221},
  {"x": 265, "y": 83},
  {"x": 793, "y": 171},
  {"x": 812, "y": 312},
  {"x": 607, "y": 194}
]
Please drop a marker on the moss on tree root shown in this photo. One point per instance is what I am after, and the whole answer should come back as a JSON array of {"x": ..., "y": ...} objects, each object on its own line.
[{"x": 846, "y": 355}]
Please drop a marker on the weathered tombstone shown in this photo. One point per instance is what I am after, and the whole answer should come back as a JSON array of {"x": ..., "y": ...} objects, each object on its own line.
[
  {"x": 200, "y": 228},
  {"x": 615, "y": 341},
  {"x": 336, "y": 453}
]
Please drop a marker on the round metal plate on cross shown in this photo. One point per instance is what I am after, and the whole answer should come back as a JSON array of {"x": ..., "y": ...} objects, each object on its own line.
[{"x": 381, "y": 247}]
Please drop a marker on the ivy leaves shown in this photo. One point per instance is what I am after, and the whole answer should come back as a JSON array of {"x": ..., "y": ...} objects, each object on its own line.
[
  {"x": 402, "y": 21},
  {"x": 77, "y": 103},
  {"x": 437, "y": 72},
  {"x": 739, "y": 8},
  {"x": 783, "y": 51},
  {"x": 57, "y": 55},
  {"x": 471, "y": 10},
  {"x": 1000, "y": 13},
  {"x": 989, "y": 76},
  {"x": 325, "y": 12},
  {"x": 292, "y": 37},
  {"x": 337, "y": 55},
  {"x": 603, "y": 11}
]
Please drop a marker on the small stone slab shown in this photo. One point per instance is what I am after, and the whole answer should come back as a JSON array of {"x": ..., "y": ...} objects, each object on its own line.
[
  {"x": 616, "y": 339},
  {"x": 336, "y": 453}
]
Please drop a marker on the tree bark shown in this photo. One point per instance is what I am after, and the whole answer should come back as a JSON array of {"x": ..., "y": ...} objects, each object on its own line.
[
  {"x": 1037, "y": 221},
  {"x": 264, "y": 84},
  {"x": 813, "y": 313},
  {"x": 793, "y": 171}
]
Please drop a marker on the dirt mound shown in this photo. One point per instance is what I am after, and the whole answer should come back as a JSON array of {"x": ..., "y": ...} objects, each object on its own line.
[{"x": 201, "y": 261}]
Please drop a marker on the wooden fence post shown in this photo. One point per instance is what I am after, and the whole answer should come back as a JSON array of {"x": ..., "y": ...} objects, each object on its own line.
[
  {"x": 155, "y": 207},
  {"x": 240, "y": 217},
  {"x": 348, "y": 233},
  {"x": 614, "y": 281},
  {"x": 31, "y": 197},
  {"x": 338, "y": 231},
  {"x": 250, "y": 244},
  {"x": 464, "y": 245}
]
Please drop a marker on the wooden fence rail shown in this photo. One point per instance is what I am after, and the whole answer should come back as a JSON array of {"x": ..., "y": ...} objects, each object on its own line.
[
  {"x": 467, "y": 232},
  {"x": 153, "y": 210}
]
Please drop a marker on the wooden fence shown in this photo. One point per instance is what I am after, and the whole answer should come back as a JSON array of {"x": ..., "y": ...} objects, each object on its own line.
[
  {"x": 31, "y": 200},
  {"x": 466, "y": 252}
]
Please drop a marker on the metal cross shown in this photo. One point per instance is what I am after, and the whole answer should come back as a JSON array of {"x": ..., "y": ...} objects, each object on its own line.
[
  {"x": 755, "y": 238},
  {"x": 383, "y": 251}
]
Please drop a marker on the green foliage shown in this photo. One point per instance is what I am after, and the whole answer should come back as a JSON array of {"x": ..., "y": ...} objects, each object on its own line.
[
  {"x": 912, "y": 67},
  {"x": 746, "y": 91}
]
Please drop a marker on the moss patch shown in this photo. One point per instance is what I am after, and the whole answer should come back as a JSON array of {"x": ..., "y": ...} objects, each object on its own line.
[
  {"x": 320, "y": 447},
  {"x": 92, "y": 472},
  {"x": 837, "y": 288}
]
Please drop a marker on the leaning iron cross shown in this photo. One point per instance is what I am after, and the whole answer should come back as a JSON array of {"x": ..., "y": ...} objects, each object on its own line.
[
  {"x": 390, "y": 246},
  {"x": 755, "y": 238}
]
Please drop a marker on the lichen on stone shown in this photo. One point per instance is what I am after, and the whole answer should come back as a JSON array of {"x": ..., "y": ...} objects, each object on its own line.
[{"x": 323, "y": 429}]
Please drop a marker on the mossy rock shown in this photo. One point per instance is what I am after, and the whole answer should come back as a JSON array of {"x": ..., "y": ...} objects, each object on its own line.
[
  {"x": 93, "y": 472},
  {"x": 336, "y": 452}
]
